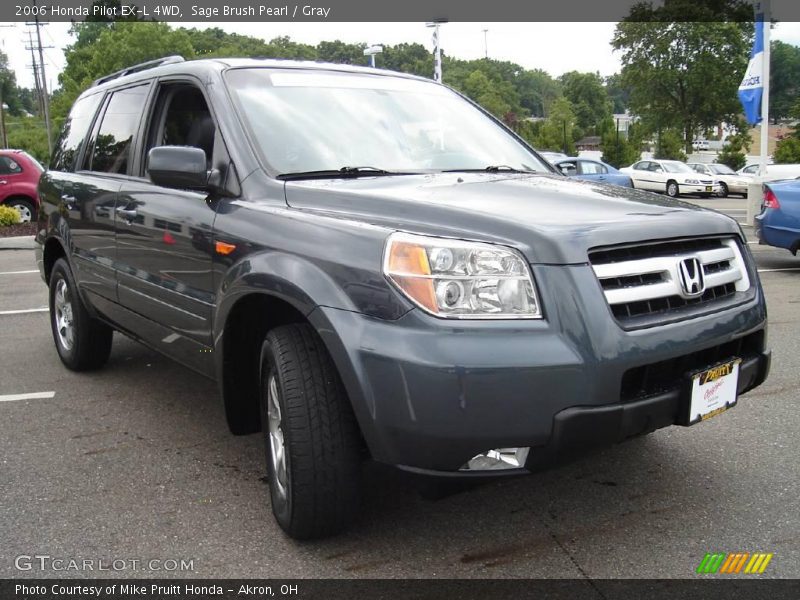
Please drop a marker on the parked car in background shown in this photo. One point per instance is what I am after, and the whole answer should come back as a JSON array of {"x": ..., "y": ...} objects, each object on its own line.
[
  {"x": 730, "y": 182},
  {"x": 19, "y": 174},
  {"x": 774, "y": 172},
  {"x": 779, "y": 222},
  {"x": 553, "y": 156},
  {"x": 592, "y": 170},
  {"x": 671, "y": 177},
  {"x": 700, "y": 145}
]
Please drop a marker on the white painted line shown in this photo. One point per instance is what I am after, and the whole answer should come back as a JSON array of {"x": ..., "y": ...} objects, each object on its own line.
[
  {"x": 171, "y": 338},
  {"x": 18, "y": 272},
  {"x": 24, "y": 311},
  {"x": 33, "y": 396},
  {"x": 778, "y": 270},
  {"x": 756, "y": 242}
]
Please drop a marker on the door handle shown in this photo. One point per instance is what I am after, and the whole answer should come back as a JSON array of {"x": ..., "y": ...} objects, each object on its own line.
[
  {"x": 3, "y": 182},
  {"x": 129, "y": 214}
]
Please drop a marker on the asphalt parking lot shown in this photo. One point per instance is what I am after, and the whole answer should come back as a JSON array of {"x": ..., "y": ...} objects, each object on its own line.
[{"x": 136, "y": 462}]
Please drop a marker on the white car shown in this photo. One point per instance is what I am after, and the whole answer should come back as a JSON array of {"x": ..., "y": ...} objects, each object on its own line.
[
  {"x": 671, "y": 177},
  {"x": 774, "y": 172},
  {"x": 730, "y": 181}
]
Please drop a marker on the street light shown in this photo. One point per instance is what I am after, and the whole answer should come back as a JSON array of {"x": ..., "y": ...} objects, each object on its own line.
[
  {"x": 371, "y": 52},
  {"x": 485, "y": 44},
  {"x": 437, "y": 49}
]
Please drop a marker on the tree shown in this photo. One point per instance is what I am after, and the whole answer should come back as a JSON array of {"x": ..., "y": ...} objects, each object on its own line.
[
  {"x": 736, "y": 145},
  {"x": 620, "y": 150},
  {"x": 557, "y": 131},
  {"x": 683, "y": 62},
  {"x": 617, "y": 93},
  {"x": 787, "y": 151},
  {"x": 588, "y": 97},
  {"x": 537, "y": 91},
  {"x": 124, "y": 45},
  {"x": 784, "y": 79},
  {"x": 669, "y": 145},
  {"x": 480, "y": 89}
]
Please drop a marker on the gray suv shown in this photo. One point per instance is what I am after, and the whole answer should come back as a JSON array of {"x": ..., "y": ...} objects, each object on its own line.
[{"x": 373, "y": 267}]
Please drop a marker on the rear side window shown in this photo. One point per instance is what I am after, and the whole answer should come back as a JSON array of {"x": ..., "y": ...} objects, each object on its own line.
[
  {"x": 75, "y": 130},
  {"x": 8, "y": 166},
  {"x": 591, "y": 168},
  {"x": 111, "y": 149}
]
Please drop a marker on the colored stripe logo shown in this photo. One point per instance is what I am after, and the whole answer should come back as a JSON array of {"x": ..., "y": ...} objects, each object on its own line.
[{"x": 734, "y": 563}]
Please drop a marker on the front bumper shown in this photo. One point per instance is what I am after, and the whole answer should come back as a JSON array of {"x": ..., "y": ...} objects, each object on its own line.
[
  {"x": 429, "y": 394},
  {"x": 686, "y": 188}
]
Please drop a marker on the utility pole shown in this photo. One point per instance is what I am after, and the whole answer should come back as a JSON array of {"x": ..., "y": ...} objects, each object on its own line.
[
  {"x": 3, "y": 133},
  {"x": 486, "y": 44},
  {"x": 437, "y": 49},
  {"x": 35, "y": 68},
  {"x": 43, "y": 83}
]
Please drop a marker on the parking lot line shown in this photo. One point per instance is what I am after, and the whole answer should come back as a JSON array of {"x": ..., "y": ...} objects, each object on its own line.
[
  {"x": 18, "y": 272},
  {"x": 32, "y": 396},
  {"x": 23, "y": 311}
]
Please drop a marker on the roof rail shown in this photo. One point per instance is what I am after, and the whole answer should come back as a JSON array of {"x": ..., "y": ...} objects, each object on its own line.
[{"x": 167, "y": 60}]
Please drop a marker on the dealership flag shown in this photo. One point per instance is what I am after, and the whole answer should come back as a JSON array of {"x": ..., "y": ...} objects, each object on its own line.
[{"x": 752, "y": 87}]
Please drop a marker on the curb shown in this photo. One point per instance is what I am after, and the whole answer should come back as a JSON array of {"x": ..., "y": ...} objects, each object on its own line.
[{"x": 19, "y": 242}]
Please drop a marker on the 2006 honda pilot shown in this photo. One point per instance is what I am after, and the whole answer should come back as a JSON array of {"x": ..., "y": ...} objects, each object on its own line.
[{"x": 372, "y": 266}]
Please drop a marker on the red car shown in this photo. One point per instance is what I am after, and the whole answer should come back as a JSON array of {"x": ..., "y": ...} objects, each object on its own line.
[{"x": 19, "y": 174}]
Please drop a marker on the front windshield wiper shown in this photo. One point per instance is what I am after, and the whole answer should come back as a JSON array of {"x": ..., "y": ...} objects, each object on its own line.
[
  {"x": 492, "y": 169},
  {"x": 341, "y": 172}
]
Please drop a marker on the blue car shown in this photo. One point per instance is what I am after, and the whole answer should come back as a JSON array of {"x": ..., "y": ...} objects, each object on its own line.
[
  {"x": 592, "y": 170},
  {"x": 779, "y": 222}
]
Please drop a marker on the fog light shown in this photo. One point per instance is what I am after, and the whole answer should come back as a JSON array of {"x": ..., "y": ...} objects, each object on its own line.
[{"x": 498, "y": 459}]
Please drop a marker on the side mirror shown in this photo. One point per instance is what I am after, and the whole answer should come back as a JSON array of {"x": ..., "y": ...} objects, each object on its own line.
[{"x": 180, "y": 167}]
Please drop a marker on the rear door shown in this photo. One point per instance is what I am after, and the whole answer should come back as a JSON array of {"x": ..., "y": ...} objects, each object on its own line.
[
  {"x": 89, "y": 195},
  {"x": 592, "y": 171},
  {"x": 164, "y": 236}
]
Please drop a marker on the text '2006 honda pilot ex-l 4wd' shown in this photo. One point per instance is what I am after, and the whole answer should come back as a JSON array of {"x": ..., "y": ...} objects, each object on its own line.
[{"x": 371, "y": 266}]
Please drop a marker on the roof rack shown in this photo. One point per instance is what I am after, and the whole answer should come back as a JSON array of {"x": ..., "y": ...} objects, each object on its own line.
[{"x": 167, "y": 60}]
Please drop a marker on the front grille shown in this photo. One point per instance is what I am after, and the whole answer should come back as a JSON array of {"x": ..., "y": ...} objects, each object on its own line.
[
  {"x": 645, "y": 283},
  {"x": 667, "y": 375}
]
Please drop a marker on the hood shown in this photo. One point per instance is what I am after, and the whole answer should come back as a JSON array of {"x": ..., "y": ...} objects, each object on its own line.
[{"x": 550, "y": 218}]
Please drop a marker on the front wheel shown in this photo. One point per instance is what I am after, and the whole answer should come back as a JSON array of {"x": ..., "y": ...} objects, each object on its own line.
[
  {"x": 672, "y": 189},
  {"x": 723, "y": 190},
  {"x": 311, "y": 438},
  {"x": 82, "y": 342}
]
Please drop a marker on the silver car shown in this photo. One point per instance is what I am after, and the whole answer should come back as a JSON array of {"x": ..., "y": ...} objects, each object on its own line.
[{"x": 730, "y": 181}]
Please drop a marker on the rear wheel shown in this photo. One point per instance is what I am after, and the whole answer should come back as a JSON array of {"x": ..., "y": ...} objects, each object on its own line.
[
  {"x": 82, "y": 342},
  {"x": 310, "y": 433},
  {"x": 672, "y": 189},
  {"x": 25, "y": 208}
]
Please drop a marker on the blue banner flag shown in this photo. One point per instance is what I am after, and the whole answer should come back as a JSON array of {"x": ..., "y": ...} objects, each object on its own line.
[{"x": 752, "y": 87}]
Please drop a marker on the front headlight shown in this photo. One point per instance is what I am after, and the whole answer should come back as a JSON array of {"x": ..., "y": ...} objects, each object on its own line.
[
  {"x": 461, "y": 280},
  {"x": 691, "y": 181}
]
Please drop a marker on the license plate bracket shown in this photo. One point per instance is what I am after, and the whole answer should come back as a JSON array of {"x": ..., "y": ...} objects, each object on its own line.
[{"x": 711, "y": 391}]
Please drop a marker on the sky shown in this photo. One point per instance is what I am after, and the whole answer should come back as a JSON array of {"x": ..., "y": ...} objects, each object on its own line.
[{"x": 552, "y": 47}]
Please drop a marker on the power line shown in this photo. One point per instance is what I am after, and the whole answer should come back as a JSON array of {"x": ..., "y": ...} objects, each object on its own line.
[{"x": 43, "y": 83}]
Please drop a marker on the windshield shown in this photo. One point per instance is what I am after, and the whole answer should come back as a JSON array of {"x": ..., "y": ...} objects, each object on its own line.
[
  {"x": 305, "y": 121},
  {"x": 721, "y": 170},
  {"x": 673, "y": 166}
]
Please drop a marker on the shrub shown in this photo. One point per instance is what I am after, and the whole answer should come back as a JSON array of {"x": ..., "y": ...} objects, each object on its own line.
[{"x": 8, "y": 216}]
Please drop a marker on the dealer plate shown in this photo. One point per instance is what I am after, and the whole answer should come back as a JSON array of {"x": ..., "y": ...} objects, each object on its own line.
[
  {"x": 709, "y": 188},
  {"x": 713, "y": 391}
]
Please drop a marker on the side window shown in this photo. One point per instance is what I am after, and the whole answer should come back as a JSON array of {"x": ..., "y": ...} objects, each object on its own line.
[
  {"x": 111, "y": 149},
  {"x": 74, "y": 131},
  {"x": 182, "y": 118},
  {"x": 592, "y": 168},
  {"x": 751, "y": 169},
  {"x": 568, "y": 168},
  {"x": 8, "y": 166},
  {"x": 641, "y": 166}
]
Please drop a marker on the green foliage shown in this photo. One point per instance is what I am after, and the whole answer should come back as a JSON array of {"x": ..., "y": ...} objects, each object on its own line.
[
  {"x": 734, "y": 152},
  {"x": 670, "y": 145},
  {"x": 787, "y": 151},
  {"x": 115, "y": 47},
  {"x": 557, "y": 132},
  {"x": 29, "y": 134},
  {"x": 8, "y": 216},
  {"x": 617, "y": 93},
  {"x": 620, "y": 150},
  {"x": 784, "y": 79},
  {"x": 683, "y": 62},
  {"x": 588, "y": 97}
]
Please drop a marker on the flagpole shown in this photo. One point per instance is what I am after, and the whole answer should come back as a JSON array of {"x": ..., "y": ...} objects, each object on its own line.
[{"x": 762, "y": 170}]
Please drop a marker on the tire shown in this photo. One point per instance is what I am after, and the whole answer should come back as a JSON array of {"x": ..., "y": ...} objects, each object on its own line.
[
  {"x": 26, "y": 209},
  {"x": 723, "y": 190},
  {"x": 672, "y": 189},
  {"x": 312, "y": 443},
  {"x": 82, "y": 342}
]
